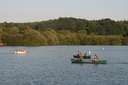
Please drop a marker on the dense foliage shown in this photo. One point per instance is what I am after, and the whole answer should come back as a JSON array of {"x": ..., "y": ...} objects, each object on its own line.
[{"x": 65, "y": 31}]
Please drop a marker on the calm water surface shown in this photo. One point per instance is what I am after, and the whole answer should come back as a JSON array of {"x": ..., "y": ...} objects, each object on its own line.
[{"x": 50, "y": 65}]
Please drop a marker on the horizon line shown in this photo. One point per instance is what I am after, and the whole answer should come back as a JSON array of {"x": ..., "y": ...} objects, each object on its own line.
[{"x": 39, "y": 20}]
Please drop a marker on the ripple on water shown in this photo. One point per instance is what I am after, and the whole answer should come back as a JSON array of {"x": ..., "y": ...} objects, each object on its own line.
[{"x": 52, "y": 66}]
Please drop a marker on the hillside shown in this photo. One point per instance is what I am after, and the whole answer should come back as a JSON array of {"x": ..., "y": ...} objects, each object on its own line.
[{"x": 65, "y": 31}]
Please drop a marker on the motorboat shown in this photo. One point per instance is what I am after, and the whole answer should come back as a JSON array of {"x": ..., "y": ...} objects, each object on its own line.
[{"x": 20, "y": 51}]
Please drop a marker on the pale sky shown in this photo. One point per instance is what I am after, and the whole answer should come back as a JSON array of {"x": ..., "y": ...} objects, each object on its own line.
[{"x": 37, "y": 10}]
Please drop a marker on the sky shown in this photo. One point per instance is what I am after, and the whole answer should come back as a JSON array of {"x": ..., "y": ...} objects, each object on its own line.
[{"x": 38, "y": 10}]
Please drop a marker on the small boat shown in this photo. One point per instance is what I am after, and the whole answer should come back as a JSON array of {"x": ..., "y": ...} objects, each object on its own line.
[
  {"x": 20, "y": 51},
  {"x": 88, "y": 61}
]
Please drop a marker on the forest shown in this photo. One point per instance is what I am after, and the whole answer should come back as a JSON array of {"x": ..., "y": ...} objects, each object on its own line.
[{"x": 65, "y": 31}]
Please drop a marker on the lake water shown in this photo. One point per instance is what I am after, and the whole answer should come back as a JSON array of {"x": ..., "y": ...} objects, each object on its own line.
[{"x": 51, "y": 65}]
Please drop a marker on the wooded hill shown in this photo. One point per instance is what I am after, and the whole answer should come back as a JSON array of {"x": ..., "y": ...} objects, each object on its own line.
[{"x": 65, "y": 31}]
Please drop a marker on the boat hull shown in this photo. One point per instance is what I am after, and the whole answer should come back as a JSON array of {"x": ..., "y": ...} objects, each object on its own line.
[
  {"x": 20, "y": 52},
  {"x": 88, "y": 61}
]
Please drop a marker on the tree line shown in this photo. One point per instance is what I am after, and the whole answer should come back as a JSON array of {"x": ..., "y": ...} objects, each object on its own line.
[{"x": 65, "y": 31}]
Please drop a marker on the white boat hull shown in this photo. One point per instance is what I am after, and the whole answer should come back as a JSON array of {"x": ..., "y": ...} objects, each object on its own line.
[{"x": 18, "y": 52}]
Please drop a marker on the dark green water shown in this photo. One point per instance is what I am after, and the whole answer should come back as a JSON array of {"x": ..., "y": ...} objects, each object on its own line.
[{"x": 50, "y": 65}]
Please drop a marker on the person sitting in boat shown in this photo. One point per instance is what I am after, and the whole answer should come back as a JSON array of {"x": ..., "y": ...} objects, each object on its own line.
[
  {"x": 89, "y": 53},
  {"x": 81, "y": 55},
  {"x": 96, "y": 58},
  {"x": 77, "y": 55}
]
